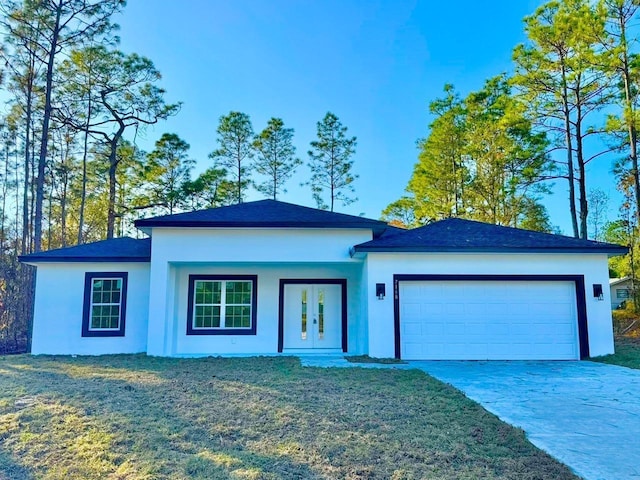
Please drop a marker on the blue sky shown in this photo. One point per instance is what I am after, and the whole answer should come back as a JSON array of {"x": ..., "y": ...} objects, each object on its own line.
[{"x": 375, "y": 64}]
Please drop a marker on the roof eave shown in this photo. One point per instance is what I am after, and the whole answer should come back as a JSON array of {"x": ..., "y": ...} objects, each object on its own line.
[
  {"x": 34, "y": 260},
  {"x": 613, "y": 251},
  {"x": 199, "y": 224},
  {"x": 620, "y": 280}
]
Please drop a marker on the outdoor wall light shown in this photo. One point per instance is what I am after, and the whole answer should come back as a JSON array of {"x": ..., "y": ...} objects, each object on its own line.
[
  {"x": 380, "y": 291},
  {"x": 597, "y": 291}
]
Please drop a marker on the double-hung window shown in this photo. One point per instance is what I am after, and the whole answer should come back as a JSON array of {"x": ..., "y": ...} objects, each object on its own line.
[
  {"x": 222, "y": 305},
  {"x": 105, "y": 299}
]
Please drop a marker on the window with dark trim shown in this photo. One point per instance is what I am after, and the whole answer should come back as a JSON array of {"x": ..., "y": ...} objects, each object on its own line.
[
  {"x": 105, "y": 304},
  {"x": 622, "y": 293},
  {"x": 222, "y": 304}
]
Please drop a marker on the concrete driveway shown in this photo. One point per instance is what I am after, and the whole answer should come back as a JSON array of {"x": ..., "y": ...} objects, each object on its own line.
[{"x": 585, "y": 414}]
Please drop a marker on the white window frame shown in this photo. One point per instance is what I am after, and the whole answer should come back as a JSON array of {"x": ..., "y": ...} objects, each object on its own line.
[
  {"x": 92, "y": 304},
  {"x": 222, "y": 304}
]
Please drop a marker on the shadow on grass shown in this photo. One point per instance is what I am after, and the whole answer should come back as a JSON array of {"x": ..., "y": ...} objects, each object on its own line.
[
  {"x": 157, "y": 422},
  {"x": 255, "y": 418},
  {"x": 9, "y": 470}
]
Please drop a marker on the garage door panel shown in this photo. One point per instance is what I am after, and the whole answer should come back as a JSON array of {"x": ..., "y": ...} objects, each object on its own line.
[
  {"x": 476, "y": 329},
  {"x": 431, "y": 330},
  {"x": 498, "y": 329},
  {"x": 494, "y": 308},
  {"x": 455, "y": 329},
  {"x": 412, "y": 329},
  {"x": 414, "y": 350},
  {"x": 475, "y": 308},
  {"x": 454, "y": 308},
  {"x": 476, "y": 320},
  {"x": 432, "y": 309},
  {"x": 548, "y": 329}
]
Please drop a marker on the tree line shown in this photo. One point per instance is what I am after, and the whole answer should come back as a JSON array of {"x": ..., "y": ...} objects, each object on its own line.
[
  {"x": 71, "y": 170},
  {"x": 571, "y": 98}
]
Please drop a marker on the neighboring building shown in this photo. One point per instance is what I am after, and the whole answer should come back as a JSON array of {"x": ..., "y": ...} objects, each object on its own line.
[
  {"x": 269, "y": 277},
  {"x": 620, "y": 291}
]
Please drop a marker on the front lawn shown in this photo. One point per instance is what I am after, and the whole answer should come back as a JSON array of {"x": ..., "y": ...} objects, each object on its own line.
[
  {"x": 627, "y": 353},
  {"x": 137, "y": 417}
]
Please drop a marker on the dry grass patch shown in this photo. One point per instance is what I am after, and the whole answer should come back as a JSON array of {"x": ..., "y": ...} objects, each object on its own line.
[{"x": 139, "y": 418}]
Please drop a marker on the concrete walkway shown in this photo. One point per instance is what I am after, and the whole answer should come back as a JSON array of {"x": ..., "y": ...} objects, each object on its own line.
[
  {"x": 585, "y": 414},
  {"x": 338, "y": 361}
]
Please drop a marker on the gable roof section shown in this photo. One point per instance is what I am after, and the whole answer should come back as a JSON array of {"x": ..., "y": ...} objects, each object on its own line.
[
  {"x": 458, "y": 235},
  {"x": 123, "y": 249},
  {"x": 263, "y": 214}
]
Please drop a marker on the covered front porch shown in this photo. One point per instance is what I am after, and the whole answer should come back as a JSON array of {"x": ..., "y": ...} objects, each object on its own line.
[{"x": 263, "y": 308}]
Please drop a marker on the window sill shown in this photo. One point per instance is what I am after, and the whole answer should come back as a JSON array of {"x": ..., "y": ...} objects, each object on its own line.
[
  {"x": 103, "y": 333},
  {"x": 221, "y": 331}
]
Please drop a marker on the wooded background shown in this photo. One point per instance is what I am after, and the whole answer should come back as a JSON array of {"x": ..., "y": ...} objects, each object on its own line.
[{"x": 71, "y": 170}]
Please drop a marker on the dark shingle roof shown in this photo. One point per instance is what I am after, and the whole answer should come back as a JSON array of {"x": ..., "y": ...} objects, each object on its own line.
[
  {"x": 266, "y": 214},
  {"x": 123, "y": 249},
  {"x": 458, "y": 235}
]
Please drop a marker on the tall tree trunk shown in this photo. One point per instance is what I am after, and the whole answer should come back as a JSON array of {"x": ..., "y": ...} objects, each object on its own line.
[
  {"x": 27, "y": 172},
  {"x": 239, "y": 150},
  {"x": 582, "y": 180},
  {"x": 113, "y": 167},
  {"x": 629, "y": 112},
  {"x": 5, "y": 192},
  {"x": 32, "y": 192},
  {"x": 50, "y": 216},
  {"x": 83, "y": 194},
  {"x": 44, "y": 142},
  {"x": 569, "y": 145},
  {"x": 275, "y": 182},
  {"x": 456, "y": 194},
  {"x": 17, "y": 197},
  {"x": 331, "y": 177},
  {"x": 63, "y": 198}
]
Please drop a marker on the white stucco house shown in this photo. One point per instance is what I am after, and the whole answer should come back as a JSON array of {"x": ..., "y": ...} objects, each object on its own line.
[{"x": 268, "y": 277}]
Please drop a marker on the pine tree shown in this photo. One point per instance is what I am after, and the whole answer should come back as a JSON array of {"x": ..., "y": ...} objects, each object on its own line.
[
  {"x": 235, "y": 150},
  {"x": 167, "y": 168},
  {"x": 330, "y": 163},
  {"x": 558, "y": 74},
  {"x": 276, "y": 158}
]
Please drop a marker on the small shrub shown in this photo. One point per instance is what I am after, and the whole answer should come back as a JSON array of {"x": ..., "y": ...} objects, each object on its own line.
[{"x": 626, "y": 321}]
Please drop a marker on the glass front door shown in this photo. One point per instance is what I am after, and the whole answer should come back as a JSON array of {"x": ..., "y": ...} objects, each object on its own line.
[{"x": 313, "y": 316}]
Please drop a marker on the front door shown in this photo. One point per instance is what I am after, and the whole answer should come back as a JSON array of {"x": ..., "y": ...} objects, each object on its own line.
[{"x": 312, "y": 316}]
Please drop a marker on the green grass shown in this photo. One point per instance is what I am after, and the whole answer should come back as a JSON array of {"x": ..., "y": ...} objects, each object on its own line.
[
  {"x": 138, "y": 417},
  {"x": 627, "y": 353},
  {"x": 368, "y": 359}
]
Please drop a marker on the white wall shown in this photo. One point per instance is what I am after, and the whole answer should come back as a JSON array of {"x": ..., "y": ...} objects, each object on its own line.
[
  {"x": 57, "y": 322},
  {"x": 266, "y": 339},
  {"x": 382, "y": 266},
  {"x": 270, "y": 253}
]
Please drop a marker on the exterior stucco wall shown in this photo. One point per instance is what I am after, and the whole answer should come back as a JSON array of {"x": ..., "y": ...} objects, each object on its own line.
[
  {"x": 272, "y": 254},
  {"x": 381, "y": 268},
  {"x": 265, "y": 341},
  {"x": 57, "y": 322}
]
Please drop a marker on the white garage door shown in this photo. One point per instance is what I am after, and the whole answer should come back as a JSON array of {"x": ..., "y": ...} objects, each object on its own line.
[{"x": 488, "y": 320}]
